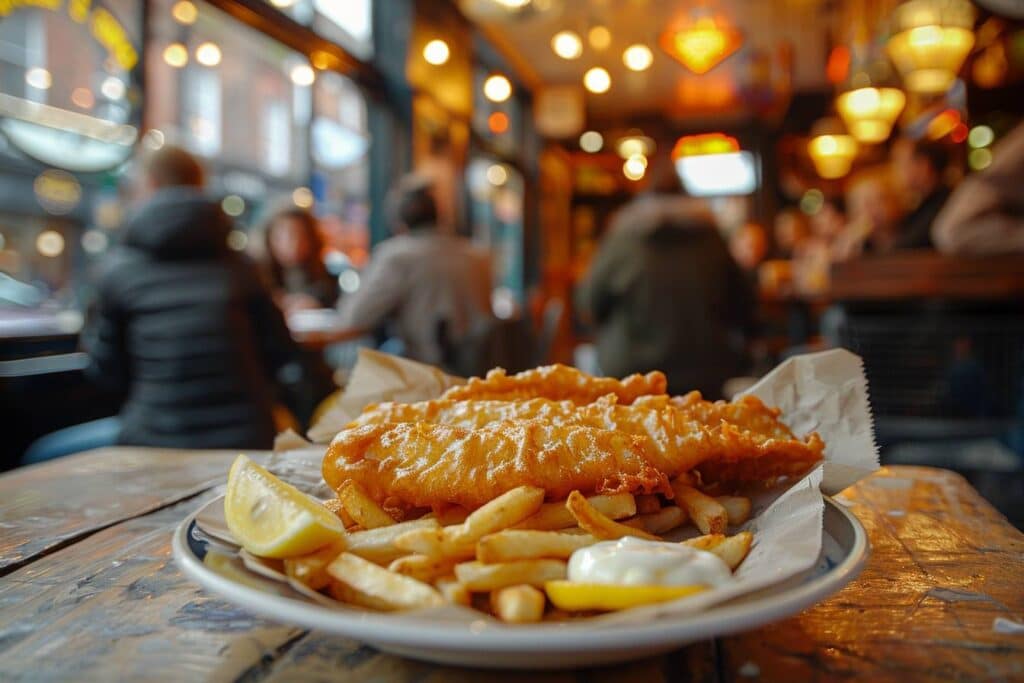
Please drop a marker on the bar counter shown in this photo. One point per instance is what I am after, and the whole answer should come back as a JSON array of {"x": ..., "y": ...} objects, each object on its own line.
[{"x": 89, "y": 592}]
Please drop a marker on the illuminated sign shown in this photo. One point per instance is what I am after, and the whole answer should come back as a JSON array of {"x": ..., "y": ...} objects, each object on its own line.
[
  {"x": 105, "y": 27},
  {"x": 706, "y": 143}
]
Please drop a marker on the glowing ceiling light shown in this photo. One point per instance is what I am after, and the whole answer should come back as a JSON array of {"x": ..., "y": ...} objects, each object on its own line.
[
  {"x": 513, "y": 4},
  {"x": 208, "y": 54},
  {"x": 113, "y": 88},
  {"x": 567, "y": 45},
  {"x": 704, "y": 144},
  {"x": 436, "y": 52},
  {"x": 638, "y": 57},
  {"x": 238, "y": 240},
  {"x": 831, "y": 149},
  {"x": 176, "y": 55},
  {"x": 233, "y": 205},
  {"x": 283, "y": 4},
  {"x": 635, "y": 167},
  {"x": 597, "y": 80},
  {"x": 497, "y": 88},
  {"x": 633, "y": 145},
  {"x": 39, "y": 78},
  {"x": 184, "y": 12},
  {"x": 932, "y": 42},
  {"x": 153, "y": 139},
  {"x": 83, "y": 98},
  {"x": 302, "y": 75},
  {"x": 701, "y": 45},
  {"x": 599, "y": 37},
  {"x": 869, "y": 113},
  {"x": 302, "y": 197},
  {"x": 50, "y": 243},
  {"x": 980, "y": 136},
  {"x": 980, "y": 158},
  {"x": 498, "y": 122},
  {"x": 591, "y": 141},
  {"x": 497, "y": 175}
]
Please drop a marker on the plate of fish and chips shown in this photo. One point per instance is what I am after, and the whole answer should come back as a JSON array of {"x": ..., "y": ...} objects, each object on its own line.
[{"x": 551, "y": 519}]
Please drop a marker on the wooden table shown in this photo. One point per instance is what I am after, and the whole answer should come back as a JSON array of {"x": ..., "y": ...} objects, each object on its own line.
[{"x": 89, "y": 592}]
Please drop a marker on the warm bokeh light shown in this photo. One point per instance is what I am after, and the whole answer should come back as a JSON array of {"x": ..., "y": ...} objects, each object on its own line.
[
  {"x": 591, "y": 141},
  {"x": 349, "y": 281},
  {"x": 497, "y": 88},
  {"x": 599, "y": 37},
  {"x": 302, "y": 197},
  {"x": 832, "y": 154},
  {"x": 704, "y": 144},
  {"x": 597, "y": 80},
  {"x": 233, "y": 205},
  {"x": 95, "y": 241},
  {"x": 113, "y": 88},
  {"x": 959, "y": 133},
  {"x": 943, "y": 124},
  {"x": 208, "y": 54},
  {"x": 436, "y": 52},
  {"x": 153, "y": 139},
  {"x": 302, "y": 75},
  {"x": 83, "y": 98},
  {"x": 176, "y": 55},
  {"x": 634, "y": 167},
  {"x": 238, "y": 240},
  {"x": 497, "y": 175},
  {"x": 184, "y": 12},
  {"x": 633, "y": 145},
  {"x": 701, "y": 45},
  {"x": 567, "y": 45},
  {"x": 497, "y": 122},
  {"x": 50, "y": 243},
  {"x": 283, "y": 4},
  {"x": 869, "y": 113},
  {"x": 980, "y": 136},
  {"x": 638, "y": 57},
  {"x": 39, "y": 78},
  {"x": 932, "y": 41}
]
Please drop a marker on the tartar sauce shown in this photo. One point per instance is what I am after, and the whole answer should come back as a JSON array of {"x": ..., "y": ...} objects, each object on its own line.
[{"x": 633, "y": 561}]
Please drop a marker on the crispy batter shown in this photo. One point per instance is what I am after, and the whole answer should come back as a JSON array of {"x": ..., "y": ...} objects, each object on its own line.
[
  {"x": 675, "y": 439},
  {"x": 558, "y": 382},
  {"x": 428, "y": 465}
]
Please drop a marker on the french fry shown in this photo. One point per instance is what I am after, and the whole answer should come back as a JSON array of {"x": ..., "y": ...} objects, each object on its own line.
[
  {"x": 396, "y": 590},
  {"x": 363, "y": 509},
  {"x": 518, "y": 604},
  {"x": 422, "y": 567},
  {"x": 707, "y": 514},
  {"x": 664, "y": 520},
  {"x": 346, "y": 593},
  {"x": 454, "y": 592},
  {"x": 554, "y": 516},
  {"x": 311, "y": 569},
  {"x": 502, "y": 512},
  {"x": 526, "y": 544},
  {"x": 335, "y": 506},
  {"x": 737, "y": 507},
  {"x": 436, "y": 542},
  {"x": 378, "y": 545},
  {"x": 479, "y": 577},
  {"x": 647, "y": 504},
  {"x": 732, "y": 549},
  {"x": 589, "y": 518},
  {"x": 454, "y": 514}
]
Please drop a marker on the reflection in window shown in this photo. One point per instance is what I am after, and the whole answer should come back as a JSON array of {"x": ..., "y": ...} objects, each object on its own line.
[{"x": 346, "y": 22}]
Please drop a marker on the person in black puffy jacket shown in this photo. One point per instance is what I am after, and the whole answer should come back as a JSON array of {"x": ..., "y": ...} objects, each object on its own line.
[{"x": 183, "y": 325}]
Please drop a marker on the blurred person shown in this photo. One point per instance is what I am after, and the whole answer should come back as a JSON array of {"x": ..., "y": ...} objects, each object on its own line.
[
  {"x": 748, "y": 245},
  {"x": 434, "y": 286},
  {"x": 920, "y": 166},
  {"x": 985, "y": 214},
  {"x": 872, "y": 216},
  {"x": 292, "y": 256},
  {"x": 183, "y": 325},
  {"x": 790, "y": 229},
  {"x": 665, "y": 293}
]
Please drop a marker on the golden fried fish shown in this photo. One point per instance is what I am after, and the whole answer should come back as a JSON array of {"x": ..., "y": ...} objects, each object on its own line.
[{"x": 557, "y": 382}]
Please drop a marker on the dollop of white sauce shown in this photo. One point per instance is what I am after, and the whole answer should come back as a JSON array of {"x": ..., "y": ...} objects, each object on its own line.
[{"x": 634, "y": 561}]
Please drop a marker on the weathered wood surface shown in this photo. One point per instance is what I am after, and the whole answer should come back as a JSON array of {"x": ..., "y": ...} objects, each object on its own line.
[{"x": 113, "y": 606}]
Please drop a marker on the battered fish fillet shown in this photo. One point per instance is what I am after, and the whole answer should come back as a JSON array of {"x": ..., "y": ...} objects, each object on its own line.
[
  {"x": 557, "y": 382},
  {"x": 417, "y": 465},
  {"x": 672, "y": 439}
]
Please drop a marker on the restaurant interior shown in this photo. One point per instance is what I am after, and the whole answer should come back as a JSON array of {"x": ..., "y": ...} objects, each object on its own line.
[{"x": 537, "y": 124}]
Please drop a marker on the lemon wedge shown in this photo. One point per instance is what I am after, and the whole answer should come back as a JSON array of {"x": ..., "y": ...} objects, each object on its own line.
[
  {"x": 271, "y": 518},
  {"x": 584, "y": 597}
]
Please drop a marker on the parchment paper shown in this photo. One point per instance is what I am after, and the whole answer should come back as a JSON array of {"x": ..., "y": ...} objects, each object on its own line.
[{"x": 824, "y": 392}]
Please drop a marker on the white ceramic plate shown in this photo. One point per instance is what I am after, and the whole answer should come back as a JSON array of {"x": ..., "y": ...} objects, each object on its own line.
[{"x": 485, "y": 643}]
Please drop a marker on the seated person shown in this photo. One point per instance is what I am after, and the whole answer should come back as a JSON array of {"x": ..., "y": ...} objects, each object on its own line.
[
  {"x": 182, "y": 324},
  {"x": 293, "y": 260},
  {"x": 920, "y": 166}
]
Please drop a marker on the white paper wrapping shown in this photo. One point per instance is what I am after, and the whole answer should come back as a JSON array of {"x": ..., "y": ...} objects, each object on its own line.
[{"x": 824, "y": 392}]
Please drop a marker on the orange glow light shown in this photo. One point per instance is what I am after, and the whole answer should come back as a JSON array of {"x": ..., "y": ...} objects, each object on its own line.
[
  {"x": 497, "y": 122},
  {"x": 701, "y": 45},
  {"x": 943, "y": 124},
  {"x": 959, "y": 133},
  {"x": 706, "y": 143},
  {"x": 838, "y": 66}
]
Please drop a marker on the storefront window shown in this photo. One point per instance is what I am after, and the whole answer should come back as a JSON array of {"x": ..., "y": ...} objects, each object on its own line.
[
  {"x": 230, "y": 94},
  {"x": 346, "y": 22},
  {"x": 340, "y": 145},
  {"x": 496, "y": 215}
]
